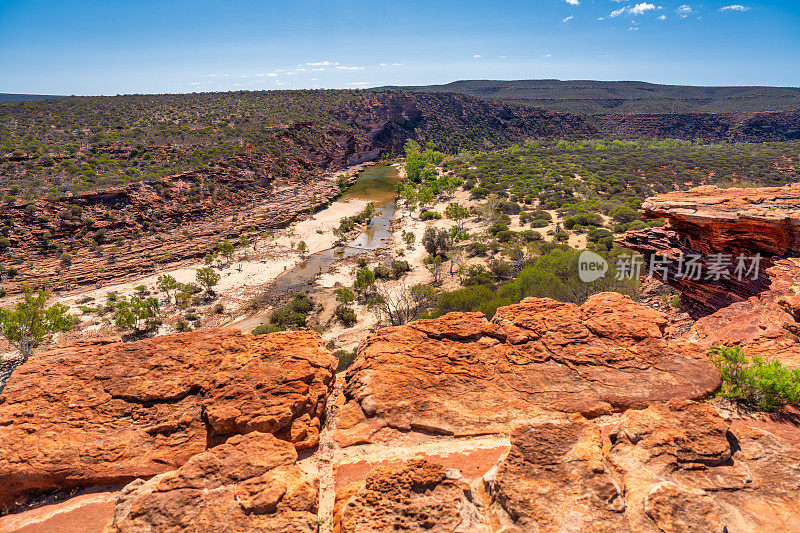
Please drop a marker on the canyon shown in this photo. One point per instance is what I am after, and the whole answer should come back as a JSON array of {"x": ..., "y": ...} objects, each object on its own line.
[
  {"x": 80, "y": 237},
  {"x": 550, "y": 416}
]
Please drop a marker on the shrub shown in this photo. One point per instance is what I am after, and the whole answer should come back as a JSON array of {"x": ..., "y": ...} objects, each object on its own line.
[
  {"x": 430, "y": 215},
  {"x": 436, "y": 241},
  {"x": 494, "y": 229},
  {"x": 345, "y": 359},
  {"x": 344, "y": 295},
  {"x": 346, "y": 314},
  {"x": 294, "y": 313},
  {"x": 264, "y": 329},
  {"x": 766, "y": 385},
  {"x": 477, "y": 248}
]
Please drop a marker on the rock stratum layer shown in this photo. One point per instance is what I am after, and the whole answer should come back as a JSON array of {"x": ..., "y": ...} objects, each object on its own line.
[
  {"x": 106, "y": 412},
  {"x": 462, "y": 375},
  {"x": 707, "y": 221},
  {"x": 759, "y": 312}
]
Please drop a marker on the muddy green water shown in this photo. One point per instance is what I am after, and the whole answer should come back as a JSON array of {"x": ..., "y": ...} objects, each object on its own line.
[{"x": 375, "y": 184}]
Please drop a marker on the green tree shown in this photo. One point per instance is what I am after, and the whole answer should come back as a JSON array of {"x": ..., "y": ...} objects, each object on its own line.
[
  {"x": 344, "y": 295},
  {"x": 226, "y": 250},
  {"x": 457, "y": 212},
  {"x": 167, "y": 283},
  {"x": 207, "y": 278},
  {"x": 32, "y": 322},
  {"x": 302, "y": 247},
  {"x": 138, "y": 314},
  {"x": 365, "y": 280}
]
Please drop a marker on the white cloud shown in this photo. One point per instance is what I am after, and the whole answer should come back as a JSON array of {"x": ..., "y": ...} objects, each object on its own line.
[
  {"x": 567, "y": 19},
  {"x": 321, "y": 63},
  {"x": 194, "y": 83},
  {"x": 350, "y": 68},
  {"x": 734, "y": 7},
  {"x": 641, "y": 8},
  {"x": 662, "y": 17},
  {"x": 476, "y": 56},
  {"x": 320, "y": 69},
  {"x": 632, "y": 28},
  {"x": 358, "y": 83},
  {"x": 684, "y": 11},
  {"x": 548, "y": 55},
  {"x": 573, "y": 2}
]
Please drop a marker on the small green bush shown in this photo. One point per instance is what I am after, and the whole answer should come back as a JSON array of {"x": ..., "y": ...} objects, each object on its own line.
[
  {"x": 346, "y": 314},
  {"x": 766, "y": 385},
  {"x": 264, "y": 329},
  {"x": 345, "y": 359}
]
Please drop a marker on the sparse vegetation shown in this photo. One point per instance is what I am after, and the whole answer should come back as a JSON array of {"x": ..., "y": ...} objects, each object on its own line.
[{"x": 755, "y": 381}]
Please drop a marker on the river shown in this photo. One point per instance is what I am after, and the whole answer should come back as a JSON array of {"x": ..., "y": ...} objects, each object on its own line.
[{"x": 376, "y": 184}]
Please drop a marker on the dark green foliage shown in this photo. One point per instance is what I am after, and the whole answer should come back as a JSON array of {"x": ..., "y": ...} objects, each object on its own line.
[
  {"x": 263, "y": 329},
  {"x": 754, "y": 381},
  {"x": 584, "y": 219},
  {"x": 294, "y": 314},
  {"x": 345, "y": 359},
  {"x": 552, "y": 275},
  {"x": 430, "y": 215},
  {"x": 345, "y": 314}
]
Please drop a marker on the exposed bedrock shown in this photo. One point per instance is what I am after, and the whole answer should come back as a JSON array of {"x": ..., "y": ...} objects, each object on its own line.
[
  {"x": 463, "y": 375},
  {"x": 106, "y": 412}
]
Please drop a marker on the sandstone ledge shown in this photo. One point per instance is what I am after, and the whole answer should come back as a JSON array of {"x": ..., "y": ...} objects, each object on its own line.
[
  {"x": 106, "y": 412},
  {"x": 462, "y": 375}
]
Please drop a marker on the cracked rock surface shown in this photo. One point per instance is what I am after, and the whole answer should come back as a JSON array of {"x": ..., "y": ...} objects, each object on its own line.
[
  {"x": 105, "y": 412},
  {"x": 462, "y": 375}
]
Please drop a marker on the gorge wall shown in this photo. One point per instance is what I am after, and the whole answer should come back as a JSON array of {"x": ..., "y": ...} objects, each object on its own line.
[{"x": 88, "y": 237}]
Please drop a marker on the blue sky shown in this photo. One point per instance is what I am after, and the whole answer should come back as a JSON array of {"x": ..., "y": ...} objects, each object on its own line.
[{"x": 110, "y": 47}]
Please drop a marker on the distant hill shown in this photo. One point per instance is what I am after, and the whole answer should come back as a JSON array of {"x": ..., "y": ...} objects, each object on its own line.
[
  {"x": 11, "y": 97},
  {"x": 611, "y": 97}
]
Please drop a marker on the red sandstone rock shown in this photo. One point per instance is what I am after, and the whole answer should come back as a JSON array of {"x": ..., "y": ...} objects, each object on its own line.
[
  {"x": 250, "y": 483},
  {"x": 708, "y": 220},
  {"x": 102, "y": 412},
  {"x": 414, "y": 496},
  {"x": 462, "y": 375},
  {"x": 673, "y": 467}
]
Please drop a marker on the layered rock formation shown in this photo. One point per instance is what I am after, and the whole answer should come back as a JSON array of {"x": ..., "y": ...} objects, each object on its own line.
[
  {"x": 462, "y": 375},
  {"x": 250, "y": 483},
  {"x": 104, "y": 412},
  {"x": 708, "y": 221},
  {"x": 757, "y": 310},
  {"x": 104, "y": 235}
]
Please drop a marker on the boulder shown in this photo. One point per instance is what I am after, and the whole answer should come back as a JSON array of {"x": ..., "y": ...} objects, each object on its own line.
[
  {"x": 463, "y": 375},
  {"x": 673, "y": 467},
  {"x": 106, "y": 412},
  {"x": 250, "y": 483}
]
